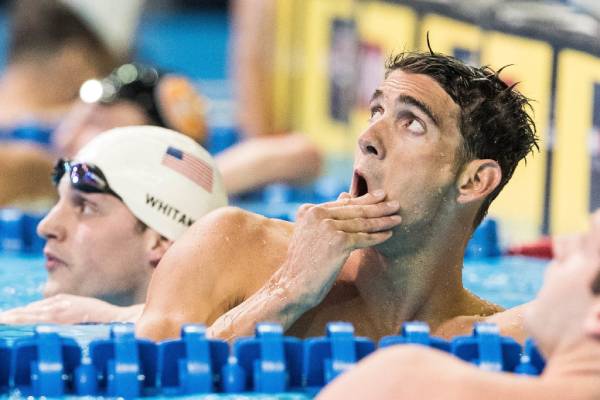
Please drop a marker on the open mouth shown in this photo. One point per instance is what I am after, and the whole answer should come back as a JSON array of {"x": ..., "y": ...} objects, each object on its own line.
[{"x": 360, "y": 186}]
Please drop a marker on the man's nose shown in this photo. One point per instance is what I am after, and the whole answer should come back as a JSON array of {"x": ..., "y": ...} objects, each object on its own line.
[
  {"x": 370, "y": 143},
  {"x": 52, "y": 225}
]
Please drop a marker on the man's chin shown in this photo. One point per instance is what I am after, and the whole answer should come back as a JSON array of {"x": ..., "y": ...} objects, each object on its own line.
[{"x": 52, "y": 289}]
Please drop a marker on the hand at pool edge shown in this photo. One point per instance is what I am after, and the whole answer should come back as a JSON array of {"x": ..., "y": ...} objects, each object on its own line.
[{"x": 70, "y": 309}]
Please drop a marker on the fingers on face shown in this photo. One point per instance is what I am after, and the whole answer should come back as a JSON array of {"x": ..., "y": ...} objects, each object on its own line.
[
  {"x": 364, "y": 211},
  {"x": 365, "y": 225},
  {"x": 303, "y": 209},
  {"x": 363, "y": 240},
  {"x": 359, "y": 240},
  {"x": 344, "y": 196},
  {"x": 346, "y": 199},
  {"x": 346, "y": 207}
]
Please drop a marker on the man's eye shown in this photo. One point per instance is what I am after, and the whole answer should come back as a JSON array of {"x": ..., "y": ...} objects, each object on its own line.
[
  {"x": 84, "y": 207},
  {"x": 415, "y": 126},
  {"x": 375, "y": 111}
]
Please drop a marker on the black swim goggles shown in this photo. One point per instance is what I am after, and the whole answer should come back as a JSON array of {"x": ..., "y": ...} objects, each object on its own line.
[{"x": 84, "y": 177}]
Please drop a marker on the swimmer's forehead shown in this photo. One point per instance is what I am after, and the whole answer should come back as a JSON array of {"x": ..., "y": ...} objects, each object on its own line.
[{"x": 398, "y": 84}]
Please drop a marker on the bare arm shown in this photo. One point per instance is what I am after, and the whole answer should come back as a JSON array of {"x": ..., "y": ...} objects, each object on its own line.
[
  {"x": 511, "y": 322},
  {"x": 256, "y": 162},
  {"x": 70, "y": 309}
]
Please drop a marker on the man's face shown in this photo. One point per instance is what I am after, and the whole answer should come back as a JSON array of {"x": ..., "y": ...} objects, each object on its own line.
[
  {"x": 93, "y": 247},
  {"x": 410, "y": 148},
  {"x": 565, "y": 300}
]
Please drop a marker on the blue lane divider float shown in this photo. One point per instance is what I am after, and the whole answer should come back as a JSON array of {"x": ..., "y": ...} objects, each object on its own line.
[
  {"x": 192, "y": 364},
  {"x": 415, "y": 333},
  {"x": 484, "y": 242},
  {"x": 531, "y": 361},
  {"x": 487, "y": 349},
  {"x": 122, "y": 365},
  {"x": 271, "y": 362},
  {"x": 5, "y": 366},
  {"x": 44, "y": 365},
  {"x": 18, "y": 231},
  {"x": 126, "y": 366},
  {"x": 327, "y": 357}
]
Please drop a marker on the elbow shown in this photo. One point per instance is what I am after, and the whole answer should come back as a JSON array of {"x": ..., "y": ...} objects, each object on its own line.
[{"x": 158, "y": 327}]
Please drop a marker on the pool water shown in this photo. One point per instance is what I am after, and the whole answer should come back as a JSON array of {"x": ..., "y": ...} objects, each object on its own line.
[{"x": 508, "y": 281}]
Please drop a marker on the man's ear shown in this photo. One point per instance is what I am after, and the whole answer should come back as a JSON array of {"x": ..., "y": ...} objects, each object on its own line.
[
  {"x": 478, "y": 179},
  {"x": 158, "y": 246},
  {"x": 592, "y": 322}
]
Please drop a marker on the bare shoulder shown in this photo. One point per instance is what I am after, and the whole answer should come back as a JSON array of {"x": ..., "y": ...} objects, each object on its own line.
[
  {"x": 222, "y": 259},
  {"x": 509, "y": 321},
  {"x": 411, "y": 371},
  {"x": 227, "y": 243}
]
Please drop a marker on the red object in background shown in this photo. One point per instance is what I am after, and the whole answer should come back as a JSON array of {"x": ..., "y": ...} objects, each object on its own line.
[{"x": 540, "y": 249}]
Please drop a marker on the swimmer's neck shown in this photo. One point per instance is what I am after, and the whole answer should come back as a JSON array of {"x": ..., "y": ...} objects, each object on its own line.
[
  {"x": 424, "y": 285},
  {"x": 132, "y": 297}
]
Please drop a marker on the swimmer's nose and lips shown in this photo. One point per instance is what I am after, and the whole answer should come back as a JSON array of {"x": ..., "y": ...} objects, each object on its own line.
[
  {"x": 52, "y": 260},
  {"x": 371, "y": 151},
  {"x": 55, "y": 233}
]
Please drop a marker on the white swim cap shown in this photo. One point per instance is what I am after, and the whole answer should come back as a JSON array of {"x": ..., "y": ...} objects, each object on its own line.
[{"x": 166, "y": 179}]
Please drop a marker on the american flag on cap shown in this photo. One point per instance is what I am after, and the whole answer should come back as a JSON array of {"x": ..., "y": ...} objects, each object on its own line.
[{"x": 190, "y": 166}]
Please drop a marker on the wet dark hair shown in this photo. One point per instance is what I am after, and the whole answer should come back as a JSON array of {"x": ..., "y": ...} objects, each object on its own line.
[
  {"x": 493, "y": 120},
  {"x": 40, "y": 28},
  {"x": 138, "y": 87}
]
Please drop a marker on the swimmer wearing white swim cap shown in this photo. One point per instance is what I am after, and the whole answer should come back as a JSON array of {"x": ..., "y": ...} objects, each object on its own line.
[{"x": 124, "y": 198}]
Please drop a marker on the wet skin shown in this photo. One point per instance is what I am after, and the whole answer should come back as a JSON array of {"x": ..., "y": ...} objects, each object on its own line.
[
  {"x": 389, "y": 251},
  {"x": 93, "y": 248}
]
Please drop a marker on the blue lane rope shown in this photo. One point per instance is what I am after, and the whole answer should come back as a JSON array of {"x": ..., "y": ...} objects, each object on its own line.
[{"x": 122, "y": 365}]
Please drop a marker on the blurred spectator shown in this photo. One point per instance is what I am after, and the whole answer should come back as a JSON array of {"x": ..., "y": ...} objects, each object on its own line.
[
  {"x": 54, "y": 46},
  {"x": 253, "y": 50},
  {"x": 135, "y": 94},
  {"x": 24, "y": 180},
  {"x": 52, "y": 51}
]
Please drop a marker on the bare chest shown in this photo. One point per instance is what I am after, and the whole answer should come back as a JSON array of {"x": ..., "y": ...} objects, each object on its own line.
[{"x": 344, "y": 306}]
